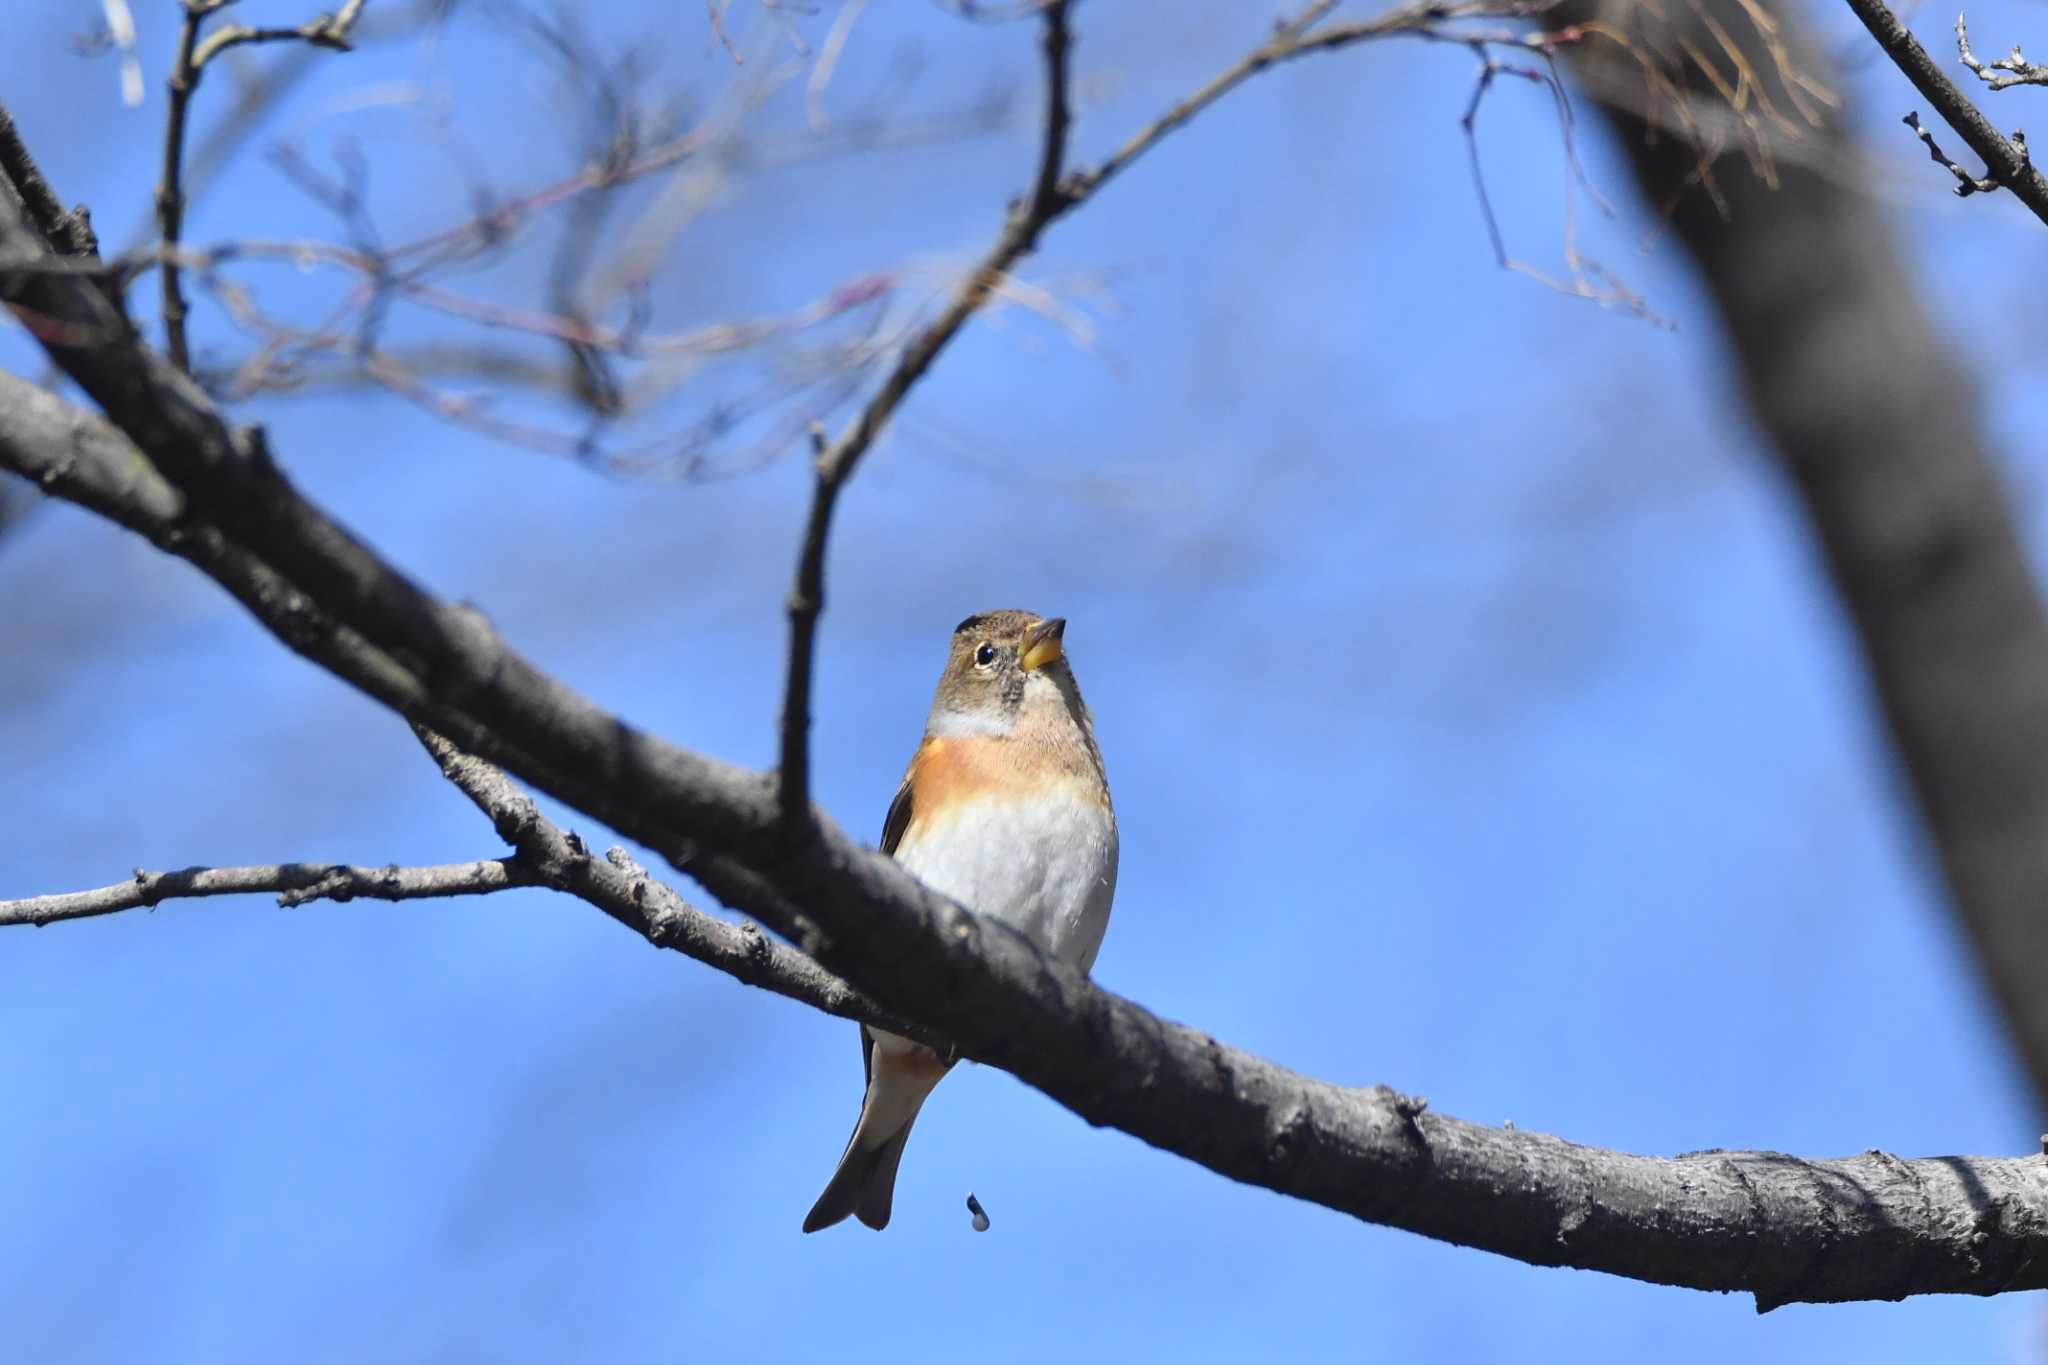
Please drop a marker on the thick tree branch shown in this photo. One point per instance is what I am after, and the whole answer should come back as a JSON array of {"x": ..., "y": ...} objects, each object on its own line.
[
  {"x": 79, "y": 457},
  {"x": 1779, "y": 1227},
  {"x": 2005, "y": 161}
]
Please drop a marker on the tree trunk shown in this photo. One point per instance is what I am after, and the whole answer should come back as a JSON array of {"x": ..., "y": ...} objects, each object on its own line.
[{"x": 1875, "y": 422}]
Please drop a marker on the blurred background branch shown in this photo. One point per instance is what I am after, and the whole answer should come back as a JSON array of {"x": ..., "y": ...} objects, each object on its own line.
[{"x": 1876, "y": 426}]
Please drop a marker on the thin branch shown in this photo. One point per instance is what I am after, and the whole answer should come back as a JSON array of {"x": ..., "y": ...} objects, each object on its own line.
[
  {"x": 293, "y": 883},
  {"x": 2006, "y": 162},
  {"x": 835, "y": 464},
  {"x": 262, "y": 91},
  {"x": 1966, "y": 184},
  {"x": 545, "y": 856},
  {"x": 828, "y": 62},
  {"x": 1054, "y": 194},
  {"x": 623, "y": 889},
  {"x": 1294, "y": 38},
  {"x": 715, "y": 11},
  {"x": 328, "y": 30},
  {"x": 2008, "y": 71},
  {"x": 603, "y": 391},
  {"x": 170, "y": 193}
]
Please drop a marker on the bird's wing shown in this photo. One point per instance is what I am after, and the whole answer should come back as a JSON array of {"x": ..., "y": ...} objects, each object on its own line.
[
  {"x": 893, "y": 826},
  {"x": 898, "y": 818}
]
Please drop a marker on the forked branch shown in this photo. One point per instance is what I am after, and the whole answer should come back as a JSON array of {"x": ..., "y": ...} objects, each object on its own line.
[
  {"x": 2002, "y": 73},
  {"x": 2006, "y": 161},
  {"x": 194, "y": 53},
  {"x": 1054, "y": 193}
]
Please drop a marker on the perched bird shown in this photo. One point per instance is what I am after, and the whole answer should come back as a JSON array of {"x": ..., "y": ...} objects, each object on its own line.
[{"x": 1006, "y": 810}]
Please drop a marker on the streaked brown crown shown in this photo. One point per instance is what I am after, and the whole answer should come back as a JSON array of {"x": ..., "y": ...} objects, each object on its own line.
[{"x": 984, "y": 670}]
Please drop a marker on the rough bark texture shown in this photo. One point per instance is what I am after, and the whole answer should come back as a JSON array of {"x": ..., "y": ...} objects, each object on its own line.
[{"x": 1876, "y": 425}]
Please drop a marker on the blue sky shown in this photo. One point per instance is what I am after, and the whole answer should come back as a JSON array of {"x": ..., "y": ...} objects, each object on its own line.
[{"x": 1478, "y": 719}]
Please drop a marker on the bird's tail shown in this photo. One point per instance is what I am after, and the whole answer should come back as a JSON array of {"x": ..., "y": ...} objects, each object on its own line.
[{"x": 900, "y": 1075}]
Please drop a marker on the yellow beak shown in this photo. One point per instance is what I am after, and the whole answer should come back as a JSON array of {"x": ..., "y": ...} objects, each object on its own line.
[{"x": 1041, "y": 644}]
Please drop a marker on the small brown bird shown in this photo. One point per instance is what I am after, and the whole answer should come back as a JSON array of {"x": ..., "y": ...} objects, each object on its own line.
[{"x": 1006, "y": 810}]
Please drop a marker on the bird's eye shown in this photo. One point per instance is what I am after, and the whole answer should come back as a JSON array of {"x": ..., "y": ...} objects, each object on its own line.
[{"x": 984, "y": 656}]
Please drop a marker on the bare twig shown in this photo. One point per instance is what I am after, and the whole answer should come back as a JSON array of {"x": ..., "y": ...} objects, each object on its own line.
[
  {"x": 170, "y": 193},
  {"x": 260, "y": 91},
  {"x": 1054, "y": 194},
  {"x": 1587, "y": 278},
  {"x": 2009, "y": 70},
  {"x": 715, "y": 11},
  {"x": 828, "y": 62},
  {"x": 293, "y": 883},
  {"x": 1297, "y": 37},
  {"x": 623, "y": 889},
  {"x": 544, "y": 856},
  {"x": 1966, "y": 184},
  {"x": 835, "y": 463},
  {"x": 616, "y": 370},
  {"x": 2006, "y": 163},
  {"x": 328, "y": 30}
]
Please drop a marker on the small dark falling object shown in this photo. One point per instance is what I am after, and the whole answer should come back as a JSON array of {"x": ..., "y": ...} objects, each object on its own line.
[{"x": 980, "y": 1214}]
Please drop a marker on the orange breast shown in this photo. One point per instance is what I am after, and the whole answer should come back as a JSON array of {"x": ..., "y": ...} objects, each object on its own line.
[
  {"x": 948, "y": 769},
  {"x": 984, "y": 768}
]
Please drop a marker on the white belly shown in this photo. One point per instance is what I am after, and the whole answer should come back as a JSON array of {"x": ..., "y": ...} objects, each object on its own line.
[{"x": 1045, "y": 867}]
